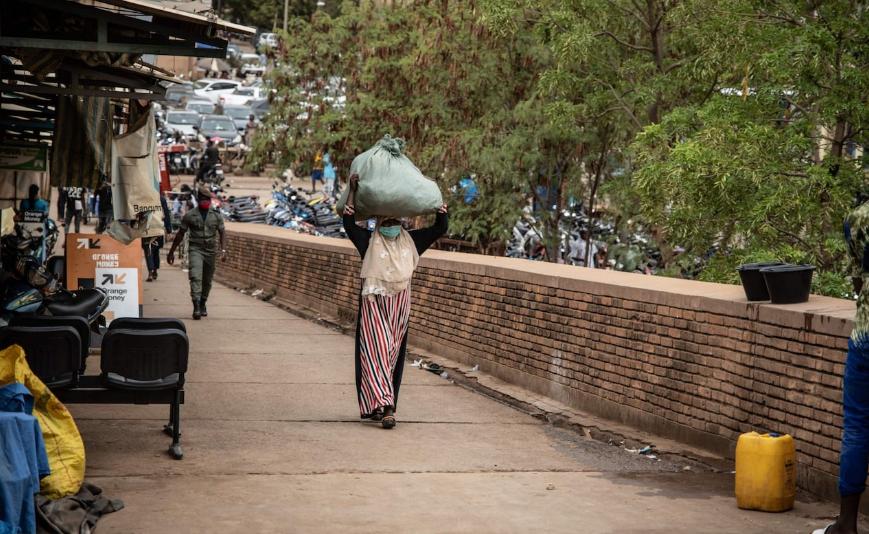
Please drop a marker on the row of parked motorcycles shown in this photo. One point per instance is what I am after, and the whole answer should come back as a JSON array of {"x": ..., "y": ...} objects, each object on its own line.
[
  {"x": 32, "y": 281},
  {"x": 312, "y": 214},
  {"x": 635, "y": 253}
]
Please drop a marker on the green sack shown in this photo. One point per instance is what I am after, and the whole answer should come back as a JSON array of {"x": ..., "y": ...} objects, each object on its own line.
[{"x": 390, "y": 185}]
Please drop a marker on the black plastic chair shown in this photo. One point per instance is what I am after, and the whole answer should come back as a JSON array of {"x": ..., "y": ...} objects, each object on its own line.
[
  {"x": 148, "y": 323},
  {"x": 148, "y": 360},
  {"x": 52, "y": 352},
  {"x": 79, "y": 323}
]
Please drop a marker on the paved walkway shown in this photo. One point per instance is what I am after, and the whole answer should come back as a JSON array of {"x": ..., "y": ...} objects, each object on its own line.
[{"x": 272, "y": 444}]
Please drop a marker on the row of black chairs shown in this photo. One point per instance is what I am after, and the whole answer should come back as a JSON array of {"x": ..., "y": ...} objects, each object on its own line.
[{"x": 142, "y": 361}]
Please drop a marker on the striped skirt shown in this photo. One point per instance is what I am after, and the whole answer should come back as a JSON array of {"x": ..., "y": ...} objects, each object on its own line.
[{"x": 382, "y": 327}]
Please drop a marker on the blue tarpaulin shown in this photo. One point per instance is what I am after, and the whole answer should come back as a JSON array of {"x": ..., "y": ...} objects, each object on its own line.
[{"x": 23, "y": 460}]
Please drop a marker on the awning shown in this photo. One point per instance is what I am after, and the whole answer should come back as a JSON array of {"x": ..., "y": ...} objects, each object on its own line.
[{"x": 91, "y": 48}]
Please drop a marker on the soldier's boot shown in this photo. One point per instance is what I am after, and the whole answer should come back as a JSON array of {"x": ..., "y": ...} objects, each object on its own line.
[
  {"x": 202, "y": 310},
  {"x": 197, "y": 312}
]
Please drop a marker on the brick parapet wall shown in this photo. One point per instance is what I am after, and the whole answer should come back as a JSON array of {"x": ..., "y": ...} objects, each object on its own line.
[{"x": 687, "y": 360}]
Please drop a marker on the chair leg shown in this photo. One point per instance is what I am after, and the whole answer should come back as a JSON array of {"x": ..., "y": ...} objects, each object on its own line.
[
  {"x": 175, "y": 421},
  {"x": 168, "y": 428}
]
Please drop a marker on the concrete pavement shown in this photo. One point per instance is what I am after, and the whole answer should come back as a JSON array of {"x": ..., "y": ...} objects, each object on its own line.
[{"x": 273, "y": 443}]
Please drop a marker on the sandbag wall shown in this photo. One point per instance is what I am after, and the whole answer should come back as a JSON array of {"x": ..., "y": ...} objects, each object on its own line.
[{"x": 687, "y": 360}]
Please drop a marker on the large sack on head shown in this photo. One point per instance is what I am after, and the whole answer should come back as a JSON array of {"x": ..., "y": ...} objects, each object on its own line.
[
  {"x": 390, "y": 184},
  {"x": 63, "y": 443}
]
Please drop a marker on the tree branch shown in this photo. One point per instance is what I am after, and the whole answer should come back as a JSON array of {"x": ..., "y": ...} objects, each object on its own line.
[
  {"x": 793, "y": 236},
  {"x": 634, "y": 14},
  {"x": 625, "y": 44}
]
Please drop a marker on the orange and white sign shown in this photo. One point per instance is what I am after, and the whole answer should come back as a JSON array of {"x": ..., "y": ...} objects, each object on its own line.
[{"x": 97, "y": 260}]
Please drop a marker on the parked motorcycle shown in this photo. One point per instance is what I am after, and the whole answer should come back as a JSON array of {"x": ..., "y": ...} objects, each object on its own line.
[
  {"x": 214, "y": 175},
  {"x": 27, "y": 287}
]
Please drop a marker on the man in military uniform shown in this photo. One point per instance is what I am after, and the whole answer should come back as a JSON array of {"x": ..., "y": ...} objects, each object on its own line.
[
  {"x": 854, "y": 455},
  {"x": 205, "y": 226}
]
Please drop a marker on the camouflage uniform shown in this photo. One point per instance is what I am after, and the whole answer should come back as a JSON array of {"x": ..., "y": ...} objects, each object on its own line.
[{"x": 203, "y": 235}]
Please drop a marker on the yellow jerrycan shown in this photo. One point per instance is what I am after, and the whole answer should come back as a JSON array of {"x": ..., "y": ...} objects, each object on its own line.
[{"x": 766, "y": 477}]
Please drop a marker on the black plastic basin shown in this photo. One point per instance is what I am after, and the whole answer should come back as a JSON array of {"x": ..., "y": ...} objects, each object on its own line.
[
  {"x": 788, "y": 284},
  {"x": 753, "y": 282}
]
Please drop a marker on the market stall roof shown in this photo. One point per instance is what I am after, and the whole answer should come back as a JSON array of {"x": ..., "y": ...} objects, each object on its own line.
[
  {"x": 50, "y": 48},
  {"x": 112, "y": 26}
]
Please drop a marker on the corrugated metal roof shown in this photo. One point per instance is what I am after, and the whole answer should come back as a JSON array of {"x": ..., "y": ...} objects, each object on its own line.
[{"x": 177, "y": 14}]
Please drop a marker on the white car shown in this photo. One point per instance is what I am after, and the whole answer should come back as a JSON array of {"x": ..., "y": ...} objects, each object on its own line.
[
  {"x": 184, "y": 122},
  {"x": 269, "y": 40},
  {"x": 212, "y": 88},
  {"x": 252, "y": 64},
  {"x": 242, "y": 95}
]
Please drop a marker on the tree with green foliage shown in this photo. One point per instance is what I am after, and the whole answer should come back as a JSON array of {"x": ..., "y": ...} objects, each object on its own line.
[
  {"x": 764, "y": 168},
  {"x": 727, "y": 128},
  {"x": 464, "y": 97}
]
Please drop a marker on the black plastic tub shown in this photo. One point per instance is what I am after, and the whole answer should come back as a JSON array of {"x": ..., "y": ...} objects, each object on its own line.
[
  {"x": 788, "y": 284},
  {"x": 753, "y": 282}
]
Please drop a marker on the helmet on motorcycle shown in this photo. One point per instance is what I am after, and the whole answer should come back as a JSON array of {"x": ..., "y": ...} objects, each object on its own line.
[{"x": 215, "y": 139}]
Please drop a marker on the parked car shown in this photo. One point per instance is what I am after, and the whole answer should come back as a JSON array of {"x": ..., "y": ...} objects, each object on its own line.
[
  {"x": 184, "y": 122},
  {"x": 213, "y": 88},
  {"x": 267, "y": 40},
  {"x": 243, "y": 95},
  {"x": 252, "y": 64},
  {"x": 220, "y": 126},
  {"x": 175, "y": 93},
  {"x": 239, "y": 114},
  {"x": 260, "y": 108},
  {"x": 233, "y": 51},
  {"x": 203, "y": 107}
]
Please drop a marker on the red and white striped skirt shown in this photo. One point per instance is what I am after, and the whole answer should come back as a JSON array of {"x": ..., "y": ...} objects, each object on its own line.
[{"x": 382, "y": 327}]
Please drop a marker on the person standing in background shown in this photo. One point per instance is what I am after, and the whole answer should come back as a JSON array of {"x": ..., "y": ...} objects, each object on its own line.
[
  {"x": 61, "y": 204},
  {"x": 33, "y": 202},
  {"x": 104, "y": 205},
  {"x": 74, "y": 207},
  {"x": 328, "y": 175},
  {"x": 854, "y": 455},
  {"x": 316, "y": 171}
]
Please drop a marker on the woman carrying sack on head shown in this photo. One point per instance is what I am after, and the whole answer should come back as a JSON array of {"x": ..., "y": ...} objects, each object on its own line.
[{"x": 389, "y": 256}]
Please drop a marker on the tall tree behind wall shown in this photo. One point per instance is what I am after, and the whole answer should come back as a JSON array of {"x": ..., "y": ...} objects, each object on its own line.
[{"x": 762, "y": 168}]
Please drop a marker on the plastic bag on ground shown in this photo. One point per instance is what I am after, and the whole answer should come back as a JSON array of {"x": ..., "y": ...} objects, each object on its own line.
[
  {"x": 63, "y": 443},
  {"x": 390, "y": 185}
]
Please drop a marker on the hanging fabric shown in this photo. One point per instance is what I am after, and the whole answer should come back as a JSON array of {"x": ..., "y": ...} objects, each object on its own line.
[{"x": 82, "y": 145}]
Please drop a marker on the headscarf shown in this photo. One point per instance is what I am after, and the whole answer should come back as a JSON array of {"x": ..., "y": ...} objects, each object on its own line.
[{"x": 388, "y": 264}]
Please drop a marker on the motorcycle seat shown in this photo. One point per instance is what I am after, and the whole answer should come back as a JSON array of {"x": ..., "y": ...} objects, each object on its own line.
[{"x": 81, "y": 303}]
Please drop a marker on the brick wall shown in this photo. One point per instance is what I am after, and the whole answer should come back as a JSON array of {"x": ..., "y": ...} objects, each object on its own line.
[{"x": 686, "y": 360}]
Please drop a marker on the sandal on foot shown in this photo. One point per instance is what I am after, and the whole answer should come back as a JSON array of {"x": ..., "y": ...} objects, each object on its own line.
[
  {"x": 377, "y": 415},
  {"x": 388, "y": 421}
]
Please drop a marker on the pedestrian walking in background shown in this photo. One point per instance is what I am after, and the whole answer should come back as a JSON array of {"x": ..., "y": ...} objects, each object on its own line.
[
  {"x": 250, "y": 128},
  {"x": 854, "y": 456},
  {"x": 206, "y": 242},
  {"x": 61, "y": 204},
  {"x": 104, "y": 205},
  {"x": 316, "y": 171},
  {"x": 152, "y": 245},
  {"x": 389, "y": 257},
  {"x": 74, "y": 207}
]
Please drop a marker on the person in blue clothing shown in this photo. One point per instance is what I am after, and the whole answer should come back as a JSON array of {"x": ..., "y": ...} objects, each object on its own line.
[
  {"x": 329, "y": 176},
  {"x": 33, "y": 202}
]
